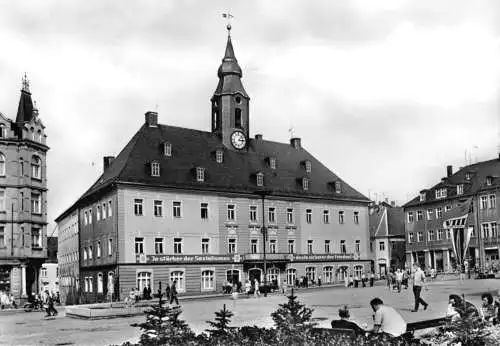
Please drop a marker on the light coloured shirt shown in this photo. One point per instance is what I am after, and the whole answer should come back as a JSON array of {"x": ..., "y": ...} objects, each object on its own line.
[
  {"x": 390, "y": 321},
  {"x": 399, "y": 276},
  {"x": 419, "y": 278}
]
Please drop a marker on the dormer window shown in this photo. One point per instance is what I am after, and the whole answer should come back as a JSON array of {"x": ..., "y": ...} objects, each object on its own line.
[
  {"x": 200, "y": 174},
  {"x": 3, "y": 131},
  {"x": 422, "y": 196},
  {"x": 307, "y": 164},
  {"x": 467, "y": 176},
  {"x": 219, "y": 156},
  {"x": 167, "y": 149},
  {"x": 338, "y": 187},
  {"x": 260, "y": 179},
  {"x": 305, "y": 184},
  {"x": 272, "y": 162},
  {"x": 460, "y": 189},
  {"x": 155, "y": 169},
  {"x": 440, "y": 193},
  {"x": 489, "y": 181}
]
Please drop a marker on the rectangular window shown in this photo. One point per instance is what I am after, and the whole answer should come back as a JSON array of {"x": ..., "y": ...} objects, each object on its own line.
[
  {"x": 98, "y": 213},
  {"x": 230, "y": 212},
  {"x": 494, "y": 230},
  {"x": 381, "y": 246},
  {"x": 110, "y": 211},
  {"x": 91, "y": 284},
  {"x": 420, "y": 237},
  {"x": 110, "y": 247},
  {"x": 410, "y": 237},
  {"x": 460, "y": 189},
  {"x": 253, "y": 245},
  {"x": 98, "y": 249},
  {"x": 440, "y": 234},
  {"x": 138, "y": 206},
  {"x": 356, "y": 217},
  {"x": 327, "y": 246},
  {"x": 430, "y": 235},
  {"x": 36, "y": 203},
  {"x": 291, "y": 246},
  {"x": 420, "y": 215},
  {"x": 357, "y": 246},
  {"x": 204, "y": 211},
  {"x": 343, "y": 247},
  {"x": 200, "y": 174},
  {"x": 2, "y": 200},
  {"x": 439, "y": 212},
  {"x": 176, "y": 209},
  {"x": 139, "y": 245},
  {"x": 2, "y": 236},
  {"x": 410, "y": 217},
  {"x": 36, "y": 238},
  {"x": 422, "y": 196},
  {"x": 253, "y": 213},
  {"x": 309, "y": 246},
  {"x": 484, "y": 202},
  {"x": 158, "y": 208},
  {"x": 155, "y": 169},
  {"x": 326, "y": 216},
  {"x": 447, "y": 208},
  {"x": 493, "y": 201},
  {"x": 429, "y": 214},
  {"x": 289, "y": 215},
  {"x": 231, "y": 245},
  {"x": 159, "y": 246},
  {"x": 177, "y": 245},
  {"x": 219, "y": 156},
  {"x": 204, "y": 245},
  {"x": 90, "y": 216},
  {"x": 309, "y": 215},
  {"x": 486, "y": 230},
  {"x": 341, "y": 217},
  {"x": 91, "y": 252},
  {"x": 272, "y": 246},
  {"x": 272, "y": 215},
  {"x": 85, "y": 255},
  {"x": 85, "y": 218},
  {"x": 104, "y": 209}
]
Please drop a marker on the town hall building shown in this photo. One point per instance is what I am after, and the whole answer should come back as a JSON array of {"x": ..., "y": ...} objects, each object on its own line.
[{"x": 205, "y": 207}]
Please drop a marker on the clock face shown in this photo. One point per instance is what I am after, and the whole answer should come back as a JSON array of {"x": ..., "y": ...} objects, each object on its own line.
[{"x": 238, "y": 140}]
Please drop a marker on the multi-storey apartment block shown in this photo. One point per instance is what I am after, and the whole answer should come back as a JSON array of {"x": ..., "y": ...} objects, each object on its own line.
[
  {"x": 23, "y": 198},
  {"x": 203, "y": 208},
  {"x": 471, "y": 192}
]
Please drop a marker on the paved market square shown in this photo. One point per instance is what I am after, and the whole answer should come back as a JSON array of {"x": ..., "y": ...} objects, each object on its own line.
[{"x": 23, "y": 328}]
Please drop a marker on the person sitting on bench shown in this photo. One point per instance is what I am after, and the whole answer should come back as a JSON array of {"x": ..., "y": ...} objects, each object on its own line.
[
  {"x": 344, "y": 322},
  {"x": 461, "y": 307},
  {"x": 387, "y": 320}
]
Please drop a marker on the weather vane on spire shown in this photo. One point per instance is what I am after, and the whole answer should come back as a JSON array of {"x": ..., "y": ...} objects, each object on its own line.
[
  {"x": 26, "y": 83},
  {"x": 291, "y": 130},
  {"x": 229, "y": 16}
]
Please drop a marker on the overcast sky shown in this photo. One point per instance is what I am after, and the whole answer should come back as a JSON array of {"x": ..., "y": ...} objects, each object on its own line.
[{"x": 385, "y": 93}]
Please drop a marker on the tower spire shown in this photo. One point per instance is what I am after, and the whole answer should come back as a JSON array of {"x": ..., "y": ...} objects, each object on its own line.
[{"x": 25, "y": 111}]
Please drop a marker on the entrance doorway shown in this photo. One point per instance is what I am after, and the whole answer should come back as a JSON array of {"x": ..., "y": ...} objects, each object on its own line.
[
  {"x": 382, "y": 269},
  {"x": 255, "y": 274},
  {"x": 233, "y": 276}
]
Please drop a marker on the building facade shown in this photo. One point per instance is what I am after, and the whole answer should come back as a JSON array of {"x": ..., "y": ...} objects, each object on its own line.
[
  {"x": 68, "y": 257},
  {"x": 202, "y": 208},
  {"x": 387, "y": 236},
  {"x": 23, "y": 198},
  {"x": 470, "y": 193}
]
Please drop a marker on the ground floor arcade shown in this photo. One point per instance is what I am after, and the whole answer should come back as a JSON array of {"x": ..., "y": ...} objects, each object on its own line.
[{"x": 20, "y": 278}]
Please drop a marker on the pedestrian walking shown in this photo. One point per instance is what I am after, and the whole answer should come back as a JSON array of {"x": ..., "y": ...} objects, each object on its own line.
[
  {"x": 372, "y": 279},
  {"x": 284, "y": 287},
  {"x": 167, "y": 293},
  {"x": 399, "y": 279},
  {"x": 346, "y": 281},
  {"x": 319, "y": 280},
  {"x": 351, "y": 281},
  {"x": 363, "y": 279},
  {"x": 173, "y": 293},
  {"x": 256, "y": 292},
  {"x": 50, "y": 310},
  {"x": 418, "y": 282},
  {"x": 234, "y": 294}
]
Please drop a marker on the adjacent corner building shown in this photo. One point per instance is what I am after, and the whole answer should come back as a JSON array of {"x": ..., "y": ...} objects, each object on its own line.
[
  {"x": 23, "y": 198},
  {"x": 206, "y": 207}
]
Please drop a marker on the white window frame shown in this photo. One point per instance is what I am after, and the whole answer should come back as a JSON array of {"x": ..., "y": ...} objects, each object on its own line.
[
  {"x": 104, "y": 213},
  {"x": 139, "y": 245},
  {"x": 252, "y": 212},
  {"x": 200, "y": 174},
  {"x": 492, "y": 201},
  {"x": 305, "y": 184},
  {"x": 440, "y": 234},
  {"x": 260, "y": 179},
  {"x": 291, "y": 246},
  {"x": 357, "y": 246},
  {"x": 460, "y": 189},
  {"x": 36, "y": 167},
  {"x": 138, "y": 207},
  {"x": 231, "y": 212},
  {"x": 110, "y": 246},
  {"x": 3, "y": 164},
  {"x": 410, "y": 237},
  {"x": 308, "y": 166},
  {"x": 439, "y": 212},
  {"x": 178, "y": 245},
  {"x": 219, "y": 156},
  {"x": 343, "y": 246},
  {"x": 2, "y": 200},
  {"x": 207, "y": 279},
  {"x": 272, "y": 162},
  {"x": 232, "y": 245},
  {"x": 483, "y": 202},
  {"x": 430, "y": 235},
  {"x": 430, "y": 212},
  {"x": 310, "y": 246},
  {"x": 381, "y": 245},
  {"x": 271, "y": 215},
  {"x": 177, "y": 209},
  {"x": 110, "y": 210},
  {"x": 356, "y": 218},
  {"x": 289, "y": 216},
  {"x": 420, "y": 215},
  {"x": 158, "y": 208},
  {"x": 309, "y": 216},
  {"x": 159, "y": 246},
  {"x": 326, "y": 216},
  {"x": 420, "y": 236},
  {"x": 327, "y": 246},
  {"x": 254, "y": 245},
  {"x": 494, "y": 229},
  {"x": 204, "y": 211},
  {"x": 205, "y": 246},
  {"x": 180, "y": 276},
  {"x": 91, "y": 252},
  {"x": 98, "y": 249},
  {"x": 143, "y": 278},
  {"x": 98, "y": 213},
  {"x": 100, "y": 283},
  {"x": 410, "y": 217},
  {"x": 167, "y": 149},
  {"x": 485, "y": 229},
  {"x": 36, "y": 242},
  {"x": 273, "y": 245},
  {"x": 341, "y": 217},
  {"x": 36, "y": 203},
  {"x": 155, "y": 169}
]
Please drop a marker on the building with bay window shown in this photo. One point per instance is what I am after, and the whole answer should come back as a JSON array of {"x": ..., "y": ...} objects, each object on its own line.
[
  {"x": 205, "y": 207},
  {"x": 468, "y": 195},
  {"x": 23, "y": 198}
]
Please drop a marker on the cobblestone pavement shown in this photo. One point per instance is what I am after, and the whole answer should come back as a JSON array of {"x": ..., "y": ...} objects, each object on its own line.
[{"x": 23, "y": 328}]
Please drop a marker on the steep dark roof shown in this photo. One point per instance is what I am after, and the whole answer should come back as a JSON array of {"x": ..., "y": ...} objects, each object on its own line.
[
  {"x": 396, "y": 221},
  {"x": 230, "y": 74},
  {"x": 25, "y": 108},
  {"x": 478, "y": 175},
  {"x": 387, "y": 221},
  {"x": 192, "y": 148}
]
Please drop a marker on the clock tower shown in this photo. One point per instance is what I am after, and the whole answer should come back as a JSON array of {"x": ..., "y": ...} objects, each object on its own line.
[{"x": 230, "y": 102}]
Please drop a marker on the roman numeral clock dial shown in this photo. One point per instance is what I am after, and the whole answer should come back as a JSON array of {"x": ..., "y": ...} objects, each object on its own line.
[{"x": 238, "y": 140}]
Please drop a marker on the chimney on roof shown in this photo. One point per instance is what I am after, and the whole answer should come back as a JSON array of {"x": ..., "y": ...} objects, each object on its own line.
[
  {"x": 295, "y": 142},
  {"x": 151, "y": 119},
  {"x": 449, "y": 171},
  {"x": 258, "y": 136},
  {"x": 393, "y": 203},
  {"x": 108, "y": 160}
]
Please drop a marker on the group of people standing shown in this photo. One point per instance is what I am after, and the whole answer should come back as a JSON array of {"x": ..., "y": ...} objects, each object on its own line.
[
  {"x": 350, "y": 281},
  {"x": 7, "y": 300}
]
